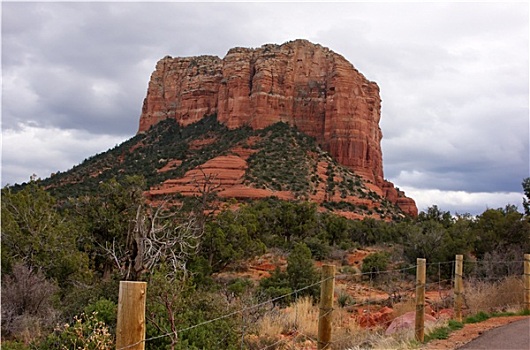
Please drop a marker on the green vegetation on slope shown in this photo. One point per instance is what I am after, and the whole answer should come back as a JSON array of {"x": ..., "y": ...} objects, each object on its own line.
[
  {"x": 285, "y": 159},
  {"x": 146, "y": 153},
  {"x": 282, "y": 162}
]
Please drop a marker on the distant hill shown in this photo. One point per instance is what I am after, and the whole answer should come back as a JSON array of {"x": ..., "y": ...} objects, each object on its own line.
[{"x": 241, "y": 163}]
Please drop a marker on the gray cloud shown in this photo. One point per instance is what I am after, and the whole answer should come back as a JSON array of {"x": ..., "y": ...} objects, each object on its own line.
[
  {"x": 42, "y": 151},
  {"x": 453, "y": 78}
]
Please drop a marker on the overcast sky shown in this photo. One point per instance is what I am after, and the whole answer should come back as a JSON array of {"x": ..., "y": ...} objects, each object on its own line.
[{"x": 454, "y": 81}]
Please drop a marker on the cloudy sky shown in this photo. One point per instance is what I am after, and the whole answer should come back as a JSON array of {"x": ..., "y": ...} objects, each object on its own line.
[{"x": 454, "y": 81}]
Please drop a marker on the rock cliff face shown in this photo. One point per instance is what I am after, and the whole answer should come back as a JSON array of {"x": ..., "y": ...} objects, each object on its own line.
[{"x": 301, "y": 83}]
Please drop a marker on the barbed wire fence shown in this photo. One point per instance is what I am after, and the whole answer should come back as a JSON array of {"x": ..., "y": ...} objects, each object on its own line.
[{"x": 489, "y": 286}]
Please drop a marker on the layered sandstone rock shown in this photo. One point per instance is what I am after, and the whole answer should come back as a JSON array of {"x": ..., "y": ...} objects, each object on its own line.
[
  {"x": 185, "y": 89},
  {"x": 301, "y": 83},
  {"x": 394, "y": 195}
]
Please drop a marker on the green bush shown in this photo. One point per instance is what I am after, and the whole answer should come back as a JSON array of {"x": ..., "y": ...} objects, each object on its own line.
[
  {"x": 239, "y": 286},
  {"x": 319, "y": 248},
  {"x": 300, "y": 276},
  {"x": 454, "y": 325},
  {"x": 443, "y": 332},
  {"x": 524, "y": 312},
  {"x": 105, "y": 311},
  {"x": 276, "y": 286},
  {"x": 375, "y": 263},
  {"x": 438, "y": 333},
  {"x": 178, "y": 304},
  {"x": 301, "y": 271}
]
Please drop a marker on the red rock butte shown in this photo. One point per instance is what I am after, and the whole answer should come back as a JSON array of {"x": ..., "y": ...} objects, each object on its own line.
[{"x": 300, "y": 83}]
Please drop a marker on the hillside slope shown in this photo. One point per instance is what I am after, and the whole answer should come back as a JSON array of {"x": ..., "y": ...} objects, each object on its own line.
[{"x": 241, "y": 163}]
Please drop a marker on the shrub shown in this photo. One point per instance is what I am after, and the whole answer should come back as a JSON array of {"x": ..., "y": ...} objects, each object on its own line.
[
  {"x": 86, "y": 333},
  {"x": 375, "y": 263},
  {"x": 14, "y": 345},
  {"x": 27, "y": 307},
  {"x": 499, "y": 263},
  {"x": 173, "y": 305},
  {"x": 437, "y": 333},
  {"x": 454, "y": 325},
  {"x": 301, "y": 271},
  {"x": 105, "y": 311},
  {"x": 275, "y": 286},
  {"x": 318, "y": 247},
  {"x": 443, "y": 332},
  {"x": 239, "y": 286}
]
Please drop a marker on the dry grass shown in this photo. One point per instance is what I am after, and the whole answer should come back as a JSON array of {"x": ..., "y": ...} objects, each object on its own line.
[
  {"x": 377, "y": 340},
  {"x": 299, "y": 320},
  {"x": 299, "y": 324},
  {"x": 270, "y": 325},
  {"x": 296, "y": 327},
  {"x": 403, "y": 307},
  {"x": 504, "y": 295},
  {"x": 302, "y": 317}
]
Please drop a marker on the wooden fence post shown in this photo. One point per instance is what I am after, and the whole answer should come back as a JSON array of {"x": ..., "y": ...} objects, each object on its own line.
[
  {"x": 459, "y": 288},
  {"x": 419, "y": 329},
  {"x": 526, "y": 278},
  {"x": 130, "y": 330},
  {"x": 326, "y": 307}
]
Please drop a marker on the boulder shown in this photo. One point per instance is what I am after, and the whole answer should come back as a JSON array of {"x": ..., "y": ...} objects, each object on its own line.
[{"x": 406, "y": 322}]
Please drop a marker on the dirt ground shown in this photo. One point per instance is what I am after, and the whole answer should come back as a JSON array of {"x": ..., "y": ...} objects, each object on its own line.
[{"x": 469, "y": 332}]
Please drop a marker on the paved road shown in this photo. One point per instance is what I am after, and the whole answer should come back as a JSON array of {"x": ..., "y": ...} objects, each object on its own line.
[{"x": 513, "y": 336}]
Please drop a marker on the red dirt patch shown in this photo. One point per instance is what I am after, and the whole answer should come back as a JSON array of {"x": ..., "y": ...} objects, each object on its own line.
[
  {"x": 223, "y": 172},
  {"x": 355, "y": 258},
  {"x": 243, "y": 152},
  {"x": 175, "y": 163},
  {"x": 200, "y": 143}
]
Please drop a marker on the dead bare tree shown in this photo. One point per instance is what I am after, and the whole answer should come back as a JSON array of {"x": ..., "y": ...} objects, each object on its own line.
[{"x": 156, "y": 236}]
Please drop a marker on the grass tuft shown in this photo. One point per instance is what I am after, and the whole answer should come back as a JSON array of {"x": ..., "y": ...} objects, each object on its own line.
[
  {"x": 455, "y": 325},
  {"x": 479, "y": 317}
]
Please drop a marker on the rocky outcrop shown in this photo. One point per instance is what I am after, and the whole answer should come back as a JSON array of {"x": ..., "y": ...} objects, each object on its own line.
[
  {"x": 185, "y": 89},
  {"x": 301, "y": 83},
  {"x": 394, "y": 195}
]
